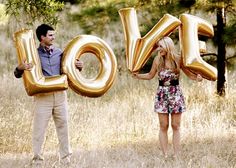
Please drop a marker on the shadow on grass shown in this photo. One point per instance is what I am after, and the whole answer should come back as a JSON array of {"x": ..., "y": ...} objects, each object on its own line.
[{"x": 217, "y": 152}]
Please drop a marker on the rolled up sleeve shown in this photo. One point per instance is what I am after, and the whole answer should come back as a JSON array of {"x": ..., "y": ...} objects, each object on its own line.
[{"x": 18, "y": 73}]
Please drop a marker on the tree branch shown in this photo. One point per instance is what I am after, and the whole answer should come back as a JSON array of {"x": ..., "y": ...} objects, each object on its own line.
[
  {"x": 207, "y": 54},
  {"x": 234, "y": 56},
  {"x": 215, "y": 55}
]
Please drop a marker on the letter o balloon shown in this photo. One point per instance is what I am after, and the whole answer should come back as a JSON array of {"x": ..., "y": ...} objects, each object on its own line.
[{"x": 97, "y": 86}]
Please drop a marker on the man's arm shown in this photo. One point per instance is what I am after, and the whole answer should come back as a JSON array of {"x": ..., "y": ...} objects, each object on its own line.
[
  {"x": 79, "y": 64},
  {"x": 18, "y": 72}
]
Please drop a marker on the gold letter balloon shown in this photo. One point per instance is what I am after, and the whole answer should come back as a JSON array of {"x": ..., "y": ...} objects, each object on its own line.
[
  {"x": 190, "y": 48},
  {"x": 34, "y": 80},
  {"x": 139, "y": 49},
  {"x": 89, "y": 44}
]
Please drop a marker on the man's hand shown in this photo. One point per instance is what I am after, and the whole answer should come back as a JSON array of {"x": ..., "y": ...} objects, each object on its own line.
[
  {"x": 199, "y": 78},
  {"x": 25, "y": 66},
  {"x": 79, "y": 64}
]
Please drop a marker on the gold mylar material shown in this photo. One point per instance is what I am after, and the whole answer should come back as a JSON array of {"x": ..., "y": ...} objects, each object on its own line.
[
  {"x": 139, "y": 49},
  {"x": 202, "y": 47},
  {"x": 34, "y": 80},
  {"x": 103, "y": 81},
  {"x": 189, "y": 44}
]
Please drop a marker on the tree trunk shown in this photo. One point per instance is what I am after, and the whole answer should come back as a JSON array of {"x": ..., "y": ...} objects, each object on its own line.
[{"x": 221, "y": 61}]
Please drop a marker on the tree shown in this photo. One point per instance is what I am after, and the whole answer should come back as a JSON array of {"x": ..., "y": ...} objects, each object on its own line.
[
  {"x": 221, "y": 58},
  {"x": 32, "y": 10},
  {"x": 223, "y": 36}
]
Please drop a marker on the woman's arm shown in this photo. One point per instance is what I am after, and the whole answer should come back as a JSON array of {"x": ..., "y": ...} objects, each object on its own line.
[
  {"x": 191, "y": 75},
  {"x": 150, "y": 74}
]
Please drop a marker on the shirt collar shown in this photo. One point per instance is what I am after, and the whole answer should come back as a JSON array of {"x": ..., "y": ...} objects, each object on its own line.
[{"x": 46, "y": 49}]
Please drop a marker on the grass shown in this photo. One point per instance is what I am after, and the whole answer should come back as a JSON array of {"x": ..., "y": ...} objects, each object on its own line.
[{"x": 120, "y": 128}]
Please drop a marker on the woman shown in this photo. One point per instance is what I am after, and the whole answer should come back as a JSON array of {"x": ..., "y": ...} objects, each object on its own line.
[{"x": 169, "y": 98}]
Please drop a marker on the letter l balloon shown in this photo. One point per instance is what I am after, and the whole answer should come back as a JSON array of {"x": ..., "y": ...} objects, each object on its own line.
[{"x": 34, "y": 80}]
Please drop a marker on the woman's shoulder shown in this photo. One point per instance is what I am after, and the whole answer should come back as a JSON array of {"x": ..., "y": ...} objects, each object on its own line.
[{"x": 156, "y": 58}]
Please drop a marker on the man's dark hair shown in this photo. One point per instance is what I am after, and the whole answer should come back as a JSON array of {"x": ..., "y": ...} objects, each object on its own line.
[{"x": 42, "y": 30}]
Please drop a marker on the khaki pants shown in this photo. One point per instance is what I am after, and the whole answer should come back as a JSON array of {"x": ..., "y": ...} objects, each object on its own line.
[{"x": 47, "y": 105}]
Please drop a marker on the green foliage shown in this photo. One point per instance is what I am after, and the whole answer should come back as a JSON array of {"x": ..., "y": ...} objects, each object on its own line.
[
  {"x": 32, "y": 10},
  {"x": 153, "y": 11},
  {"x": 72, "y": 1},
  {"x": 93, "y": 17},
  {"x": 230, "y": 34},
  {"x": 3, "y": 16}
]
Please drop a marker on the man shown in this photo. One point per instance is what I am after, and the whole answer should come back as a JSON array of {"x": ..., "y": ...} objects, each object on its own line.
[{"x": 49, "y": 104}]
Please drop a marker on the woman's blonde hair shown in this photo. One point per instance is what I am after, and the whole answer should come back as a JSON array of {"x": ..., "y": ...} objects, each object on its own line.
[{"x": 168, "y": 45}]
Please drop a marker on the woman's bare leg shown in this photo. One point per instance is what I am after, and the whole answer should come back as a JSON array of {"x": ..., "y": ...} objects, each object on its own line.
[
  {"x": 175, "y": 124},
  {"x": 163, "y": 137}
]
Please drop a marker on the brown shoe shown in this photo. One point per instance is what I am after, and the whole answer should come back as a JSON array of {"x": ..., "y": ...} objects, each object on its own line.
[{"x": 37, "y": 161}]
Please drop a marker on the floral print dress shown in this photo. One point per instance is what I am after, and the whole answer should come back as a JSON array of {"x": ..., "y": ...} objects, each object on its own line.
[{"x": 169, "y": 99}]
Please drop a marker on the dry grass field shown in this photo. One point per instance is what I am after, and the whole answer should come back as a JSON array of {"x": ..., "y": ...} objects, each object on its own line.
[{"x": 119, "y": 129}]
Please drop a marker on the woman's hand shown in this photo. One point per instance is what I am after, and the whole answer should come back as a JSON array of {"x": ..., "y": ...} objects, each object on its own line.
[
  {"x": 199, "y": 78},
  {"x": 135, "y": 75}
]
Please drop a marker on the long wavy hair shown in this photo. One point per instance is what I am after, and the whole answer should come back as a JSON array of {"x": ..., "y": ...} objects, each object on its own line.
[{"x": 171, "y": 53}]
